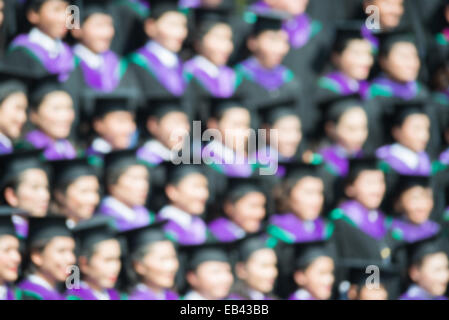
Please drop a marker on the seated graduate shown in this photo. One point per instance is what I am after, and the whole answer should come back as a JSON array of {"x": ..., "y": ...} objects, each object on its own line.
[
  {"x": 346, "y": 126},
  {"x": 152, "y": 263},
  {"x": 315, "y": 264},
  {"x": 13, "y": 108},
  {"x": 208, "y": 74},
  {"x": 25, "y": 185},
  {"x": 127, "y": 183},
  {"x": 187, "y": 191},
  {"x": 428, "y": 270},
  {"x": 208, "y": 272},
  {"x": 244, "y": 207},
  {"x": 264, "y": 77},
  {"x": 42, "y": 50},
  {"x": 96, "y": 66},
  {"x": 168, "y": 126},
  {"x": 256, "y": 269},
  {"x": 227, "y": 153},
  {"x": 98, "y": 254},
  {"x": 75, "y": 189},
  {"x": 113, "y": 125},
  {"x": 50, "y": 254},
  {"x": 10, "y": 256},
  {"x": 51, "y": 104},
  {"x": 157, "y": 65},
  {"x": 411, "y": 133}
]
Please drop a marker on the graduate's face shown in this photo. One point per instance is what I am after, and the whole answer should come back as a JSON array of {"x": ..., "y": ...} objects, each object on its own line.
[
  {"x": 51, "y": 18},
  {"x": 234, "y": 127},
  {"x": 32, "y": 194},
  {"x": 159, "y": 266},
  {"x": 170, "y": 30},
  {"x": 260, "y": 271},
  {"x": 307, "y": 198},
  {"x": 2, "y": 4},
  {"x": 433, "y": 273},
  {"x": 270, "y": 47},
  {"x": 104, "y": 266},
  {"x": 97, "y": 32},
  {"x": 81, "y": 198},
  {"x": 132, "y": 186},
  {"x": 117, "y": 128},
  {"x": 56, "y": 258},
  {"x": 217, "y": 44},
  {"x": 171, "y": 130},
  {"x": 318, "y": 278},
  {"x": 210, "y": 3},
  {"x": 356, "y": 59},
  {"x": 248, "y": 212},
  {"x": 417, "y": 204},
  {"x": 391, "y": 12},
  {"x": 352, "y": 129},
  {"x": 10, "y": 258},
  {"x": 289, "y": 135},
  {"x": 414, "y": 132},
  {"x": 367, "y": 293},
  {"x": 13, "y": 114},
  {"x": 402, "y": 62},
  {"x": 55, "y": 115},
  {"x": 190, "y": 194},
  {"x": 212, "y": 279},
  {"x": 368, "y": 188}
]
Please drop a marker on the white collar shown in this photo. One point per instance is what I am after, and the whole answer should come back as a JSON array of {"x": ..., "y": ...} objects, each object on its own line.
[
  {"x": 5, "y": 140},
  {"x": 207, "y": 66},
  {"x": 255, "y": 295},
  {"x": 121, "y": 208},
  {"x": 179, "y": 216},
  {"x": 40, "y": 281},
  {"x": 409, "y": 157},
  {"x": 101, "y": 145},
  {"x": 51, "y": 45},
  {"x": 193, "y": 295},
  {"x": 93, "y": 60},
  {"x": 224, "y": 152},
  {"x": 144, "y": 287},
  {"x": 302, "y": 294},
  {"x": 157, "y": 147},
  {"x": 3, "y": 292},
  {"x": 167, "y": 57}
]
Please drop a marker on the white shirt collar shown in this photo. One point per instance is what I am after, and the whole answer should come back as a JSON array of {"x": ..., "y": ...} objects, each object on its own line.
[
  {"x": 255, "y": 295},
  {"x": 157, "y": 147},
  {"x": 93, "y": 60},
  {"x": 167, "y": 57},
  {"x": 193, "y": 295},
  {"x": 121, "y": 208},
  {"x": 101, "y": 145},
  {"x": 302, "y": 294},
  {"x": 409, "y": 157},
  {"x": 179, "y": 216},
  {"x": 5, "y": 140},
  {"x": 51, "y": 45},
  {"x": 205, "y": 64},
  {"x": 40, "y": 281},
  {"x": 3, "y": 292}
]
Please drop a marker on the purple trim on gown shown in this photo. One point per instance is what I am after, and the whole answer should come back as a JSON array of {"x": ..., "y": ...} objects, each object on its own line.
[
  {"x": 415, "y": 292},
  {"x": 299, "y": 230},
  {"x": 424, "y": 167},
  {"x": 140, "y": 294},
  {"x": 347, "y": 85},
  {"x": 411, "y": 232},
  {"x": 270, "y": 79},
  {"x": 61, "y": 149},
  {"x": 406, "y": 91},
  {"x": 225, "y": 230},
  {"x": 45, "y": 293},
  {"x": 86, "y": 293},
  {"x": 150, "y": 157},
  {"x": 195, "y": 234},
  {"x": 301, "y": 294},
  {"x": 5, "y": 149},
  {"x": 337, "y": 158},
  {"x": 444, "y": 157}
]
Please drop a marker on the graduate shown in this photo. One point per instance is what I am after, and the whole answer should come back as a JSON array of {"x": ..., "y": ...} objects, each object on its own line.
[
  {"x": 411, "y": 133},
  {"x": 265, "y": 78},
  {"x": 97, "y": 66},
  {"x": 157, "y": 65},
  {"x": 314, "y": 270},
  {"x": 10, "y": 256},
  {"x": 25, "y": 186},
  {"x": 126, "y": 182},
  {"x": 209, "y": 272},
  {"x": 244, "y": 208},
  {"x": 98, "y": 254},
  {"x": 228, "y": 153},
  {"x": 75, "y": 190},
  {"x": 51, "y": 104},
  {"x": 187, "y": 191},
  {"x": 42, "y": 50},
  {"x": 346, "y": 126},
  {"x": 113, "y": 124},
  {"x": 428, "y": 270},
  {"x": 13, "y": 107},
  {"x": 152, "y": 263},
  {"x": 256, "y": 269},
  {"x": 50, "y": 254}
]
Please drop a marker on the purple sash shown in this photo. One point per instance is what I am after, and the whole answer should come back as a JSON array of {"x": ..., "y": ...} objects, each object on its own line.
[
  {"x": 54, "y": 150},
  {"x": 269, "y": 79},
  {"x": 86, "y": 293},
  {"x": 225, "y": 230},
  {"x": 299, "y": 30},
  {"x": 368, "y": 35},
  {"x": 444, "y": 157},
  {"x": 146, "y": 294},
  {"x": 229, "y": 168},
  {"x": 417, "y": 293},
  {"x": 10, "y": 294},
  {"x": 62, "y": 65},
  {"x": 334, "y": 156},
  {"x": 5, "y": 149},
  {"x": 411, "y": 232},
  {"x": 424, "y": 165},
  {"x": 150, "y": 157},
  {"x": 301, "y": 294},
  {"x": 289, "y": 226},
  {"x": 195, "y": 234},
  {"x": 406, "y": 91},
  {"x": 30, "y": 287},
  {"x": 347, "y": 86}
]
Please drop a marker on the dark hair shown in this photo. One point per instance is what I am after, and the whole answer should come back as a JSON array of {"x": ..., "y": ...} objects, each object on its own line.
[
  {"x": 132, "y": 277},
  {"x": 38, "y": 246},
  {"x": 282, "y": 193},
  {"x": 114, "y": 174}
]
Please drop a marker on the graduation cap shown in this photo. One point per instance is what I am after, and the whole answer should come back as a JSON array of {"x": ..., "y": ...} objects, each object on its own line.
[
  {"x": 159, "y": 107},
  {"x": 65, "y": 172},
  {"x": 418, "y": 250},
  {"x": 238, "y": 187},
  {"x": 120, "y": 159},
  {"x": 111, "y": 102},
  {"x": 90, "y": 232},
  {"x": 335, "y": 107},
  {"x": 15, "y": 163},
  {"x": 271, "y": 112},
  {"x": 356, "y": 166},
  {"x": 47, "y": 228},
  {"x": 268, "y": 20},
  {"x": 143, "y": 236},
  {"x": 307, "y": 252},
  {"x": 299, "y": 170},
  {"x": 6, "y": 224},
  {"x": 406, "y": 182},
  {"x": 175, "y": 173},
  {"x": 347, "y": 31},
  {"x": 12, "y": 81},
  {"x": 218, "y": 106},
  {"x": 249, "y": 244},
  {"x": 404, "y": 109},
  {"x": 42, "y": 87},
  {"x": 159, "y": 7},
  {"x": 90, "y": 7},
  {"x": 388, "y": 39},
  {"x": 211, "y": 15},
  {"x": 213, "y": 251}
]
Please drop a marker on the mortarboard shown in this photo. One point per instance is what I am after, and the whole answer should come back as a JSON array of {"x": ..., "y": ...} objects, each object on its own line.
[
  {"x": 159, "y": 7},
  {"x": 66, "y": 171},
  {"x": 356, "y": 166},
  {"x": 307, "y": 252},
  {"x": 389, "y": 38},
  {"x": 120, "y": 159},
  {"x": 90, "y": 232},
  {"x": 198, "y": 254},
  {"x": 90, "y": 7},
  {"x": 163, "y": 106},
  {"x": 268, "y": 20},
  {"x": 406, "y": 182},
  {"x": 174, "y": 173},
  {"x": 249, "y": 244},
  {"x": 269, "y": 113},
  {"x": 106, "y": 103},
  {"x": 219, "y": 105},
  {"x": 6, "y": 224},
  {"x": 47, "y": 228},
  {"x": 404, "y": 109},
  {"x": 238, "y": 187},
  {"x": 209, "y": 15},
  {"x": 299, "y": 170},
  {"x": 334, "y": 108},
  {"x": 12, "y": 81},
  {"x": 140, "y": 237},
  {"x": 418, "y": 250},
  {"x": 42, "y": 87},
  {"x": 15, "y": 163}
]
